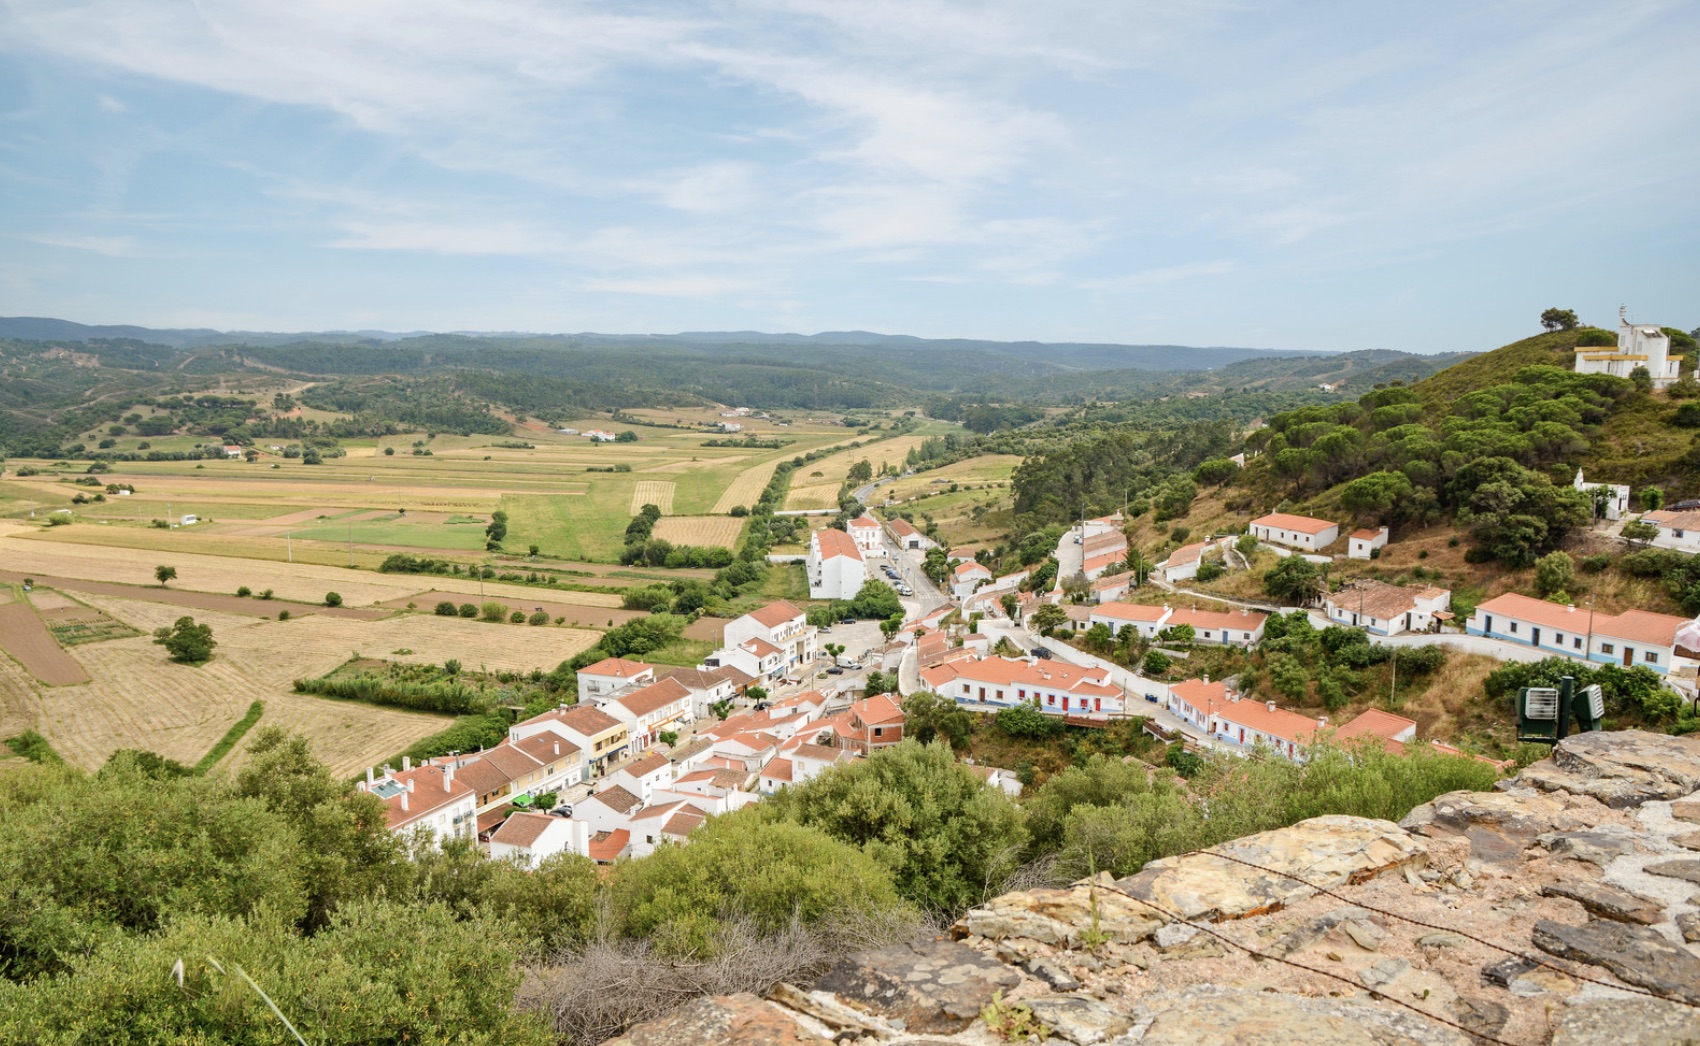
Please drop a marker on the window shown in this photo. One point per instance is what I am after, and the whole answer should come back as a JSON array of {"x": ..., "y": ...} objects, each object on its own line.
[
  {"x": 1051, "y": 699},
  {"x": 1676, "y": 533},
  {"x": 879, "y": 731},
  {"x": 1022, "y": 693},
  {"x": 1651, "y": 658},
  {"x": 1576, "y": 641},
  {"x": 1513, "y": 628},
  {"x": 1606, "y": 648}
]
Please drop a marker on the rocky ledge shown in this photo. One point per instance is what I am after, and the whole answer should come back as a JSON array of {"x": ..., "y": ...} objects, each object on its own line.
[{"x": 1563, "y": 908}]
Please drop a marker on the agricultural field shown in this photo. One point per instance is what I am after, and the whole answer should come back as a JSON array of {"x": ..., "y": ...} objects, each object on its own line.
[
  {"x": 722, "y": 531},
  {"x": 986, "y": 470},
  {"x": 84, "y": 670}
]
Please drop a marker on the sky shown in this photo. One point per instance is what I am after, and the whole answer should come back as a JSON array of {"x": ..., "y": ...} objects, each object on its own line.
[{"x": 1309, "y": 175}]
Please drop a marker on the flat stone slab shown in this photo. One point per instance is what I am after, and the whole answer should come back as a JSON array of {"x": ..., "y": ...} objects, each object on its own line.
[
  {"x": 1328, "y": 852},
  {"x": 1608, "y": 902},
  {"x": 1078, "y": 1019},
  {"x": 1627, "y": 1022},
  {"x": 1510, "y": 812},
  {"x": 1621, "y": 768},
  {"x": 1635, "y": 954},
  {"x": 1686, "y": 810},
  {"x": 1682, "y": 868},
  {"x": 1234, "y": 1017},
  {"x": 1690, "y": 840},
  {"x": 1598, "y": 846},
  {"x": 736, "y": 1020},
  {"x": 1062, "y": 917},
  {"x": 931, "y": 986}
]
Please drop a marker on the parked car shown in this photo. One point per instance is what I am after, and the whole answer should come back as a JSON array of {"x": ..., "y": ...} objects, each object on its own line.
[
  {"x": 1042, "y": 652},
  {"x": 1151, "y": 698},
  {"x": 835, "y": 671}
]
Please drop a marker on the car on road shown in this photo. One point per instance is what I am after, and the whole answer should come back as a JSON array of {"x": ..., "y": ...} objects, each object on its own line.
[
  {"x": 1042, "y": 652},
  {"x": 835, "y": 671}
]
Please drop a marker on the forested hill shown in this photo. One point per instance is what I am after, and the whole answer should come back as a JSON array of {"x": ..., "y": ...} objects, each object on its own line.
[{"x": 1492, "y": 442}]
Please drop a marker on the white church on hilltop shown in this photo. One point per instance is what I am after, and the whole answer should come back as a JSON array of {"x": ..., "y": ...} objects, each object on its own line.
[{"x": 1638, "y": 345}]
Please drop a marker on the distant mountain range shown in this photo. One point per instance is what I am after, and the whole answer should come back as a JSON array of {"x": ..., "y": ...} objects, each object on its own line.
[{"x": 1083, "y": 356}]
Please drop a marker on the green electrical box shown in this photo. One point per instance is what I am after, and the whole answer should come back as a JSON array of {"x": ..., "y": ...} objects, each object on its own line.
[
  {"x": 1588, "y": 708},
  {"x": 1537, "y": 714}
]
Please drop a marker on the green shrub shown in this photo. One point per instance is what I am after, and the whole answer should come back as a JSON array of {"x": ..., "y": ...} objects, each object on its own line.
[
  {"x": 244, "y": 592},
  {"x": 333, "y": 599},
  {"x": 445, "y": 609},
  {"x": 468, "y": 610},
  {"x": 539, "y": 617}
]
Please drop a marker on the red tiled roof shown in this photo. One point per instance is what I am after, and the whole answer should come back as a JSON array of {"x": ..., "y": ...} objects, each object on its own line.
[
  {"x": 523, "y": 829},
  {"x": 647, "y": 765},
  {"x": 1121, "y": 580},
  {"x": 1248, "y": 621},
  {"x": 818, "y": 752},
  {"x": 1366, "y": 534},
  {"x": 775, "y": 614},
  {"x": 582, "y": 719},
  {"x": 901, "y": 528},
  {"x": 607, "y": 847},
  {"x": 1540, "y": 612},
  {"x": 491, "y": 818},
  {"x": 428, "y": 794},
  {"x": 1641, "y": 626},
  {"x": 1268, "y": 718},
  {"x": 617, "y": 667},
  {"x": 877, "y": 709},
  {"x": 778, "y": 770},
  {"x": 1374, "y": 722},
  {"x": 964, "y": 569},
  {"x": 684, "y": 822},
  {"x": 1094, "y": 562},
  {"x": 617, "y": 799},
  {"x": 1130, "y": 612},
  {"x": 1206, "y": 697},
  {"x": 760, "y": 647},
  {"x": 654, "y": 697},
  {"x": 1186, "y": 553},
  {"x": 865, "y": 522},
  {"x": 1288, "y": 521},
  {"x": 834, "y": 543}
]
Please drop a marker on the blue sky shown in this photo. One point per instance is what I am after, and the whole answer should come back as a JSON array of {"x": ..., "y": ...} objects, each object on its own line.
[{"x": 1308, "y": 175}]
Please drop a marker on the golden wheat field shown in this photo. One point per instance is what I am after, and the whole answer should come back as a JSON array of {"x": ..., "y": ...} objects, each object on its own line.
[
  {"x": 700, "y": 530},
  {"x": 746, "y": 488},
  {"x": 657, "y": 492},
  {"x": 813, "y": 496}
]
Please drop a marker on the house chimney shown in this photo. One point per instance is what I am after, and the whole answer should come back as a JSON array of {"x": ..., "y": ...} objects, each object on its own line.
[
  {"x": 404, "y": 802},
  {"x": 389, "y": 771},
  {"x": 1207, "y": 678},
  {"x": 410, "y": 787},
  {"x": 557, "y": 748},
  {"x": 406, "y": 763},
  {"x": 448, "y": 776},
  {"x": 368, "y": 776},
  {"x": 1271, "y": 705}
]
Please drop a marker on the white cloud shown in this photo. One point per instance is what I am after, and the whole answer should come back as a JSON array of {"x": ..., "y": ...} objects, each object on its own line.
[{"x": 111, "y": 246}]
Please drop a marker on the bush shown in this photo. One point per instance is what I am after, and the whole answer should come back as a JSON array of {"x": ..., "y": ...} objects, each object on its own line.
[
  {"x": 1156, "y": 663},
  {"x": 333, "y": 599},
  {"x": 445, "y": 609},
  {"x": 1210, "y": 570},
  {"x": 468, "y": 610},
  {"x": 518, "y": 617},
  {"x": 540, "y": 617},
  {"x": 283, "y": 615},
  {"x": 243, "y": 592},
  {"x": 1596, "y": 563},
  {"x": 266, "y": 593},
  {"x": 1025, "y": 720}
]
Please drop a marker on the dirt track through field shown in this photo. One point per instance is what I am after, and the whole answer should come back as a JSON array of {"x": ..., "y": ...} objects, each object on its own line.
[
  {"x": 25, "y": 637},
  {"x": 199, "y": 600}
]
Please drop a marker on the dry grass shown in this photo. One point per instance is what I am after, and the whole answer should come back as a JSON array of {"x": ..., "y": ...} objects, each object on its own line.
[
  {"x": 746, "y": 488},
  {"x": 657, "y": 492},
  {"x": 700, "y": 530},
  {"x": 1452, "y": 704},
  {"x": 813, "y": 496},
  {"x": 18, "y": 704}
]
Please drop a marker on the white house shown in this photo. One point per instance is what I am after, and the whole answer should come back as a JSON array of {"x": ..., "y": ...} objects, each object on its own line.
[
  {"x": 1634, "y": 637},
  {"x": 665, "y": 823},
  {"x": 650, "y": 711},
  {"x": 644, "y": 777},
  {"x": 1147, "y": 621},
  {"x": 1300, "y": 532},
  {"x": 835, "y": 565},
  {"x": 1387, "y": 610},
  {"x": 708, "y": 687},
  {"x": 1638, "y": 345},
  {"x": 998, "y": 778},
  {"x": 1055, "y": 687},
  {"x": 864, "y": 530},
  {"x": 598, "y": 683},
  {"x": 426, "y": 799},
  {"x": 598, "y": 737},
  {"x": 966, "y": 577},
  {"x": 1183, "y": 562},
  {"x": 530, "y": 839},
  {"x": 599, "y": 436},
  {"x": 1679, "y": 529},
  {"x": 1612, "y": 499},
  {"x": 1240, "y": 722},
  {"x": 906, "y": 536},
  {"x": 780, "y": 623},
  {"x": 1361, "y": 544},
  {"x": 1225, "y": 628},
  {"x": 1112, "y": 587}
]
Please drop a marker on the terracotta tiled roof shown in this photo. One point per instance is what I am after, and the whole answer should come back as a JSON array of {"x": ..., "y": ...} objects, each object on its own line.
[
  {"x": 1104, "y": 560},
  {"x": 428, "y": 794},
  {"x": 1130, "y": 612},
  {"x": 779, "y": 770},
  {"x": 1375, "y": 723},
  {"x": 697, "y": 745},
  {"x": 1641, "y": 626},
  {"x": 760, "y": 647},
  {"x": 1378, "y": 599},
  {"x": 965, "y": 569},
  {"x": 547, "y": 747},
  {"x": 617, "y": 667},
  {"x": 1675, "y": 520},
  {"x": 1186, "y": 553},
  {"x": 694, "y": 679},
  {"x": 1268, "y": 718},
  {"x": 775, "y": 614},
  {"x": 1109, "y": 581},
  {"x": 818, "y": 752},
  {"x": 834, "y": 543},
  {"x": 865, "y": 522},
  {"x": 523, "y": 829},
  {"x": 491, "y": 818},
  {"x": 1297, "y": 524},
  {"x": 617, "y": 799},
  {"x": 1206, "y": 697},
  {"x": 901, "y": 528},
  {"x": 1248, "y": 621},
  {"x": 684, "y": 822},
  {"x": 1366, "y": 534},
  {"x": 880, "y": 708},
  {"x": 582, "y": 719},
  {"x": 608, "y": 847},
  {"x": 1539, "y": 612},
  {"x": 649, "y": 764},
  {"x": 654, "y": 697},
  {"x": 483, "y": 777}
]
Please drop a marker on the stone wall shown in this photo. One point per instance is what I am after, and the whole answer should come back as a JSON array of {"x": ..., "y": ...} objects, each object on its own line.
[{"x": 1533, "y": 914}]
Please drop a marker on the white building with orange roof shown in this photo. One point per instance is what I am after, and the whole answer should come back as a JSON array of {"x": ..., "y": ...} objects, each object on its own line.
[
  {"x": 966, "y": 577},
  {"x": 425, "y": 799},
  {"x": 665, "y": 823},
  {"x": 907, "y": 537},
  {"x": 1196, "y": 701},
  {"x": 864, "y": 530},
  {"x": 609, "y": 809},
  {"x": 782, "y": 625},
  {"x": 1055, "y": 687},
  {"x": 1387, "y": 610},
  {"x": 651, "y": 711},
  {"x": 598, "y": 736},
  {"x": 529, "y": 839},
  {"x": 1634, "y": 637},
  {"x": 871, "y": 724},
  {"x": 1144, "y": 620},
  {"x": 835, "y": 565},
  {"x": 644, "y": 777},
  {"x": 1374, "y": 722},
  {"x": 1222, "y": 627},
  {"x": 1112, "y": 587},
  {"x": 1362, "y": 544},
  {"x": 612, "y": 675},
  {"x": 1244, "y": 722},
  {"x": 1301, "y": 532}
]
